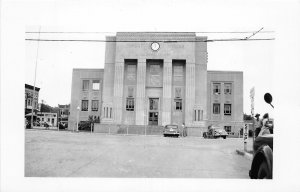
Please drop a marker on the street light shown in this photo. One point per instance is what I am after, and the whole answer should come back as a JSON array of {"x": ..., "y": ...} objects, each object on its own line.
[{"x": 78, "y": 108}]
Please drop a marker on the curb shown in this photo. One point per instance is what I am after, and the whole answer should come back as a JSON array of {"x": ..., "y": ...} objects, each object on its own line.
[{"x": 248, "y": 156}]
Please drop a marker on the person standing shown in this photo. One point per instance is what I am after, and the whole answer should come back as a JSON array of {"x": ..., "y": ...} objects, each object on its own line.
[
  {"x": 184, "y": 133},
  {"x": 265, "y": 128},
  {"x": 257, "y": 125}
]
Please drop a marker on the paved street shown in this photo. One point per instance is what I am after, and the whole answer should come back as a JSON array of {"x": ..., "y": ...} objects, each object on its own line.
[{"x": 51, "y": 153}]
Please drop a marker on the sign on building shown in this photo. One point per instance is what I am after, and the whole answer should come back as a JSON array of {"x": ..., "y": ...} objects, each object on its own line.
[{"x": 252, "y": 93}]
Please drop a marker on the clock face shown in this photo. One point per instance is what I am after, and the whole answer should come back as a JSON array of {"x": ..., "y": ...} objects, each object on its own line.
[{"x": 155, "y": 46}]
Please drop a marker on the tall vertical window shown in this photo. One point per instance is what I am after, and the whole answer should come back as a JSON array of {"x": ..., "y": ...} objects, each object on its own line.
[
  {"x": 85, "y": 85},
  {"x": 198, "y": 115},
  {"x": 95, "y": 105},
  {"x": 84, "y": 105},
  {"x": 227, "y": 88},
  {"x": 130, "y": 104},
  {"x": 216, "y": 108},
  {"x": 216, "y": 88},
  {"x": 178, "y": 72},
  {"x": 153, "y": 104},
  {"x": 178, "y": 104},
  {"x": 96, "y": 84},
  {"x": 227, "y": 109},
  {"x": 131, "y": 70}
]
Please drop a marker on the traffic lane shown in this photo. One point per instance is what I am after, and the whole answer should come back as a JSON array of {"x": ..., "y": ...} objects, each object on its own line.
[
  {"x": 96, "y": 155},
  {"x": 169, "y": 157}
]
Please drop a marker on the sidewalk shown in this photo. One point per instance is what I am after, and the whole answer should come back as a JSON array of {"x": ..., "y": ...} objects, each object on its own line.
[{"x": 44, "y": 128}]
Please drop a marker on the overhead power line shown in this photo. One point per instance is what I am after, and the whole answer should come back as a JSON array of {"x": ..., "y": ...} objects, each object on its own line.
[
  {"x": 87, "y": 32},
  {"x": 144, "y": 41},
  {"x": 254, "y": 33},
  {"x": 83, "y": 32}
]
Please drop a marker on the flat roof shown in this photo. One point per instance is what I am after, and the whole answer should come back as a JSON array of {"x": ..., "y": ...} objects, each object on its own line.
[
  {"x": 88, "y": 69},
  {"x": 212, "y": 71},
  {"x": 31, "y": 87}
]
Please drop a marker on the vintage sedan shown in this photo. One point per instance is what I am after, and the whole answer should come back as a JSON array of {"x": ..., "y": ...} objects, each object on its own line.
[
  {"x": 171, "y": 130},
  {"x": 215, "y": 132}
]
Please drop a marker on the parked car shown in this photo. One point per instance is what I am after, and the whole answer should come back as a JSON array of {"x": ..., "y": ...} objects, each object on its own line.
[
  {"x": 63, "y": 125},
  {"x": 47, "y": 124},
  {"x": 262, "y": 163},
  {"x": 84, "y": 126},
  {"x": 171, "y": 130},
  {"x": 215, "y": 132}
]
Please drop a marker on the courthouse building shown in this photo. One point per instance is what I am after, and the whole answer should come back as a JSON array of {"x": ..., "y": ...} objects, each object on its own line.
[{"x": 155, "y": 79}]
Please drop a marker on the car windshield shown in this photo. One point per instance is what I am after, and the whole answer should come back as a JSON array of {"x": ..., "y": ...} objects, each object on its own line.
[{"x": 171, "y": 127}]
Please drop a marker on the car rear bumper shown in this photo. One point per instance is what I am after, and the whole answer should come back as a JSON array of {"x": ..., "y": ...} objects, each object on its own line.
[{"x": 171, "y": 133}]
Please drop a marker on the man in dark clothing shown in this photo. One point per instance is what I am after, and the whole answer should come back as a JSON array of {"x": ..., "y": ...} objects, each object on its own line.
[{"x": 257, "y": 124}]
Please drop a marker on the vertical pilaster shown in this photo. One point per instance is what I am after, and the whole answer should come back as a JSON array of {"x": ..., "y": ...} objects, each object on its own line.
[
  {"x": 167, "y": 92},
  {"x": 140, "y": 93},
  {"x": 118, "y": 92},
  {"x": 189, "y": 93}
]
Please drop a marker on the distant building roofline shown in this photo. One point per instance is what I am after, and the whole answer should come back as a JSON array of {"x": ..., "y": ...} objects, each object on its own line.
[
  {"x": 217, "y": 71},
  {"x": 88, "y": 69},
  {"x": 31, "y": 87}
]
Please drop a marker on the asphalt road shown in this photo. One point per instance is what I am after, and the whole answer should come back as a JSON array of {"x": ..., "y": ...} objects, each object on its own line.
[{"x": 50, "y": 153}]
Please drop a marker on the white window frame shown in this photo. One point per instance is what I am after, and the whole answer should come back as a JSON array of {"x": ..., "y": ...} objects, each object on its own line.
[
  {"x": 96, "y": 85},
  {"x": 94, "y": 108},
  {"x": 227, "y": 111},
  {"x": 83, "y": 83},
  {"x": 217, "y": 88},
  {"x": 130, "y": 104},
  {"x": 219, "y": 110},
  {"x": 227, "y": 88}
]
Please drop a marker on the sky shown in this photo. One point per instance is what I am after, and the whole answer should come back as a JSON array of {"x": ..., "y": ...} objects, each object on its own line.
[
  {"x": 269, "y": 66},
  {"x": 57, "y": 59}
]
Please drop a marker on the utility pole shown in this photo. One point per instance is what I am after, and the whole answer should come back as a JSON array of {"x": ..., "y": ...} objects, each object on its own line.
[{"x": 36, "y": 61}]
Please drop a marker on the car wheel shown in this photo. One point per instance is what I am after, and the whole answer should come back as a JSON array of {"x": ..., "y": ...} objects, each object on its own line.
[
  {"x": 263, "y": 171},
  {"x": 224, "y": 137}
]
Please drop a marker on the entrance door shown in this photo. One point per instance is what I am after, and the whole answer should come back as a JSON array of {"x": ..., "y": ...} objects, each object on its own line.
[
  {"x": 153, "y": 111},
  {"x": 153, "y": 118}
]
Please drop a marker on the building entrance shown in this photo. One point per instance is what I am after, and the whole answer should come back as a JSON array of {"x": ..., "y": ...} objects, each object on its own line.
[
  {"x": 153, "y": 118},
  {"x": 153, "y": 111}
]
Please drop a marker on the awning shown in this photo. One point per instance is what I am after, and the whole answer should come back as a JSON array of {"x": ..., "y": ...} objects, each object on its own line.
[{"x": 29, "y": 115}]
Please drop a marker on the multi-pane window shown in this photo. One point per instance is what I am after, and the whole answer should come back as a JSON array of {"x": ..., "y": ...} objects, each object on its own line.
[
  {"x": 227, "y": 88},
  {"x": 107, "y": 111},
  {"x": 96, "y": 84},
  {"x": 198, "y": 115},
  {"x": 216, "y": 88},
  {"x": 95, "y": 105},
  {"x": 85, "y": 85},
  {"x": 178, "y": 104},
  {"x": 216, "y": 108},
  {"x": 130, "y": 104},
  {"x": 227, "y": 109},
  {"x": 153, "y": 104},
  {"x": 227, "y": 129},
  {"x": 84, "y": 105}
]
